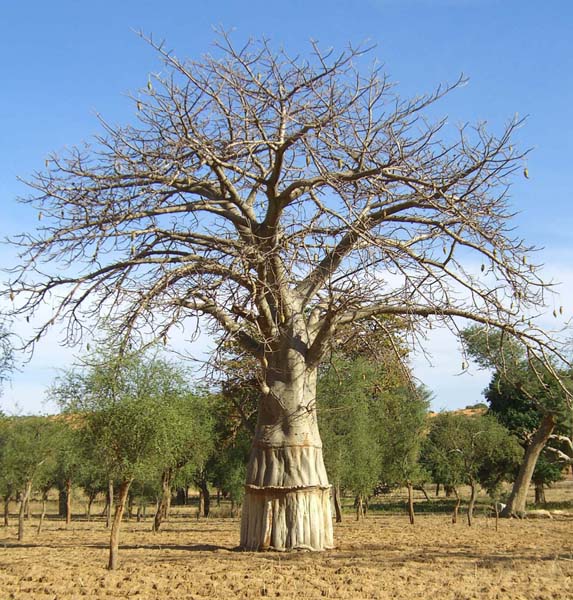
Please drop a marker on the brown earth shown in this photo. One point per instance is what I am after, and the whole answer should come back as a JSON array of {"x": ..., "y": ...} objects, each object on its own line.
[{"x": 381, "y": 557}]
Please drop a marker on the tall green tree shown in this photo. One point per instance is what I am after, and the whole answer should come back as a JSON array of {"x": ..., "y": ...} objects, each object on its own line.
[
  {"x": 281, "y": 198},
  {"x": 527, "y": 399},
  {"x": 372, "y": 425}
]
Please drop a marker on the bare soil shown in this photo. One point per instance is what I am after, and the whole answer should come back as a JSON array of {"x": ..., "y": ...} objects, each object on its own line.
[{"x": 382, "y": 557}]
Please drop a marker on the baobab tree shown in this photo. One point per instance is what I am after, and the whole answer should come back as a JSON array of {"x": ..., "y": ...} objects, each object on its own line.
[{"x": 280, "y": 199}]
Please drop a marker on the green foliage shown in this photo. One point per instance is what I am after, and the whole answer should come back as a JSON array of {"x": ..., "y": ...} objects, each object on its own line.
[
  {"x": 371, "y": 425},
  {"x": 462, "y": 449},
  {"x": 26, "y": 452},
  {"x": 138, "y": 415},
  {"x": 521, "y": 392}
]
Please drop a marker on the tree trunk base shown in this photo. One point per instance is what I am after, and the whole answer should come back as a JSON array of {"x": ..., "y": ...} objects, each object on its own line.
[{"x": 282, "y": 519}]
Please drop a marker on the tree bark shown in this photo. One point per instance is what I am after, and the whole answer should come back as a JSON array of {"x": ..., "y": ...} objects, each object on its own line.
[
  {"x": 7, "y": 510},
  {"x": 91, "y": 498},
  {"x": 287, "y": 500},
  {"x": 43, "y": 515},
  {"x": 205, "y": 495},
  {"x": 163, "y": 504},
  {"x": 114, "y": 537},
  {"x": 411, "y": 503},
  {"x": 540, "y": 494},
  {"x": 109, "y": 504},
  {"x": 359, "y": 505},
  {"x": 517, "y": 499},
  {"x": 337, "y": 508},
  {"x": 68, "y": 501},
  {"x": 62, "y": 501},
  {"x": 473, "y": 493},
  {"x": 24, "y": 498},
  {"x": 457, "y": 505}
]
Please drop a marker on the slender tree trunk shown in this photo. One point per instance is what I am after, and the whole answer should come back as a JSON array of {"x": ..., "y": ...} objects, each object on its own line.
[
  {"x": 163, "y": 504},
  {"x": 540, "y": 494},
  {"x": 91, "y": 498},
  {"x": 437, "y": 489},
  {"x": 68, "y": 501},
  {"x": 457, "y": 505},
  {"x": 205, "y": 495},
  {"x": 7, "y": 510},
  {"x": 359, "y": 504},
  {"x": 287, "y": 502},
  {"x": 422, "y": 489},
  {"x": 473, "y": 493},
  {"x": 218, "y": 497},
  {"x": 516, "y": 502},
  {"x": 114, "y": 537},
  {"x": 337, "y": 508},
  {"x": 24, "y": 498},
  {"x": 411, "y": 503},
  {"x": 62, "y": 501},
  {"x": 42, "y": 516},
  {"x": 109, "y": 503}
]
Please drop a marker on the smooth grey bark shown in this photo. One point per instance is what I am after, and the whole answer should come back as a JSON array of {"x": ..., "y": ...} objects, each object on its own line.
[{"x": 517, "y": 499}]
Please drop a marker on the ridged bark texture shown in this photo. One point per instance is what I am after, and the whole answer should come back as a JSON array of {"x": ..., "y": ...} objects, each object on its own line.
[{"x": 287, "y": 502}]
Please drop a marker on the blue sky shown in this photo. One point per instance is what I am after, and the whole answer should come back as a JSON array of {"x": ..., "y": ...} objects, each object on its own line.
[{"x": 63, "y": 61}]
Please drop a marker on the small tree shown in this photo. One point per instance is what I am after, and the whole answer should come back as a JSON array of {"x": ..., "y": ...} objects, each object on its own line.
[
  {"x": 27, "y": 457},
  {"x": 188, "y": 439},
  {"x": 125, "y": 415},
  {"x": 474, "y": 450}
]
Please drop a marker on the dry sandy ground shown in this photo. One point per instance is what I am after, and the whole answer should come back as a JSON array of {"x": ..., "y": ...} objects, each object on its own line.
[{"x": 382, "y": 557}]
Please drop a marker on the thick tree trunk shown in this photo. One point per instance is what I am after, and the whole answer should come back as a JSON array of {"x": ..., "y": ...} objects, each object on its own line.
[
  {"x": 287, "y": 501},
  {"x": 114, "y": 537},
  {"x": 516, "y": 502},
  {"x": 473, "y": 493},
  {"x": 337, "y": 508},
  {"x": 163, "y": 504},
  {"x": 411, "y": 514},
  {"x": 109, "y": 504},
  {"x": 68, "y": 501},
  {"x": 24, "y": 499}
]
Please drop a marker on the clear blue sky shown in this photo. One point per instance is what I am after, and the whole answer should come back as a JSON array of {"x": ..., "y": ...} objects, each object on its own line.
[{"x": 63, "y": 61}]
